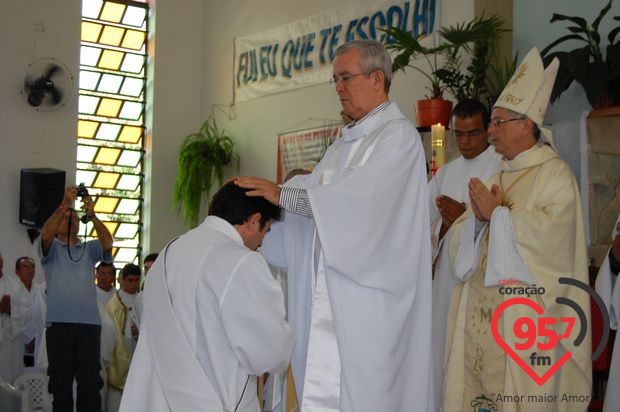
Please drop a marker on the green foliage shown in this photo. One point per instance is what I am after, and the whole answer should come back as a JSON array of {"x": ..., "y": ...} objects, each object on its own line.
[
  {"x": 203, "y": 157},
  {"x": 598, "y": 74},
  {"x": 444, "y": 64},
  {"x": 410, "y": 48},
  {"x": 478, "y": 39},
  {"x": 500, "y": 73}
]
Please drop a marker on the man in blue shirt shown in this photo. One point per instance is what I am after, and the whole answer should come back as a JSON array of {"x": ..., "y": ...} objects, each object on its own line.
[{"x": 73, "y": 323}]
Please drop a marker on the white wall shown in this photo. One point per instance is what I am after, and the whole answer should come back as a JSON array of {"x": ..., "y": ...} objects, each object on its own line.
[
  {"x": 192, "y": 67},
  {"x": 29, "y": 138},
  {"x": 532, "y": 28}
]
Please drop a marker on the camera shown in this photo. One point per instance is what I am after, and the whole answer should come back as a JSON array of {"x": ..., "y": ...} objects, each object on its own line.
[{"x": 81, "y": 190}]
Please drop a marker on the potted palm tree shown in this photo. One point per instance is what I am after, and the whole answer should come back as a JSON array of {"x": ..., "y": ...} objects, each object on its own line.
[
  {"x": 203, "y": 158},
  {"x": 444, "y": 65},
  {"x": 434, "y": 108},
  {"x": 596, "y": 71}
]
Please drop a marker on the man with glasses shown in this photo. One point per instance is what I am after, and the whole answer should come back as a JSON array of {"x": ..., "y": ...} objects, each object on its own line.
[
  {"x": 523, "y": 232},
  {"x": 74, "y": 325},
  {"x": 449, "y": 197},
  {"x": 359, "y": 281}
]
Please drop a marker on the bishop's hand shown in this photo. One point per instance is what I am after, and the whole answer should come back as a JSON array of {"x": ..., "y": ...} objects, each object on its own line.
[{"x": 484, "y": 201}]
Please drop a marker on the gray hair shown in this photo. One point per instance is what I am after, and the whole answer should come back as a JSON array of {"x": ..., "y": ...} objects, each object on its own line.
[
  {"x": 373, "y": 56},
  {"x": 535, "y": 127}
]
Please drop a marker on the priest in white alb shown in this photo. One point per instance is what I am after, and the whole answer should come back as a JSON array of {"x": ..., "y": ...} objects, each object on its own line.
[
  {"x": 360, "y": 253},
  {"x": 213, "y": 315}
]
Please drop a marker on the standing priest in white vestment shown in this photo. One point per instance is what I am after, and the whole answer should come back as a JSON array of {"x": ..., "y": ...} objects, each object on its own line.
[
  {"x": 213, "y": 315},
  {"x": 449, "y": 197},
  {"x": 607, "y": 286},
  {"x": 525, "y": 229},
  {"x": 362, "y": 253},
  {"x": 15, "y": 316}
]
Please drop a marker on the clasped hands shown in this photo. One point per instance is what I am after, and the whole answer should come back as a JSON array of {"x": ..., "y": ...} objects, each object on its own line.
[{"x": 483, "y": 200}]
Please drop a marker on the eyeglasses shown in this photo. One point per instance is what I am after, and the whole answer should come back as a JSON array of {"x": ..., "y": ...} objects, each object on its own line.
[
  {"x": 499, "y": 122},
  {"x": 471, "y": 134},
  {"x": 345, "y": 79}
]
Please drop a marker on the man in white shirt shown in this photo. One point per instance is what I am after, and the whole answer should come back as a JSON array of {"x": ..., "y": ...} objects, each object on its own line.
[
  {"x": 449, "y": 198},
  {"x": 35, "y": 293},
  {"x": 213, "y": 315},
  {"x": 360, "y": 252},
  {"x": 15, "y": 315}
]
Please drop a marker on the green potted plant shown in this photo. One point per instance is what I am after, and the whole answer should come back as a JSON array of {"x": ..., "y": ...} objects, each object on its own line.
[
  {"x": 597, "y": 72},
  {"x": 203, "y": 158},
  {"x": 434, "y": 109},
  {"x": 478, "y": 39},
  {"x": 444, "y": 65},
  {"x": 499, "y": 74}
]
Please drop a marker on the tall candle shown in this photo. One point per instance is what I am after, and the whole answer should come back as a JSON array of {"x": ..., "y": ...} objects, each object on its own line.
[{"x": 438, "y": 142}]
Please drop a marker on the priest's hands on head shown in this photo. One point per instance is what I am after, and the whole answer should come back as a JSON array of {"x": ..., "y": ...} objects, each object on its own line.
[
  {"x": 449, "y": 209},
  {"x": 260, "y": 187},
  {"x": 483, "y": 200}
]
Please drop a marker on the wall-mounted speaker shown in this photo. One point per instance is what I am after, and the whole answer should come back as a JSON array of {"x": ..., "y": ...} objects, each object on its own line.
[{"x": 41, "y": 191}]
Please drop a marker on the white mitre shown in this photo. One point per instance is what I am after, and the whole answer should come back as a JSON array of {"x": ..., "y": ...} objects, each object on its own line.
[{"x": 529, "y": 89}]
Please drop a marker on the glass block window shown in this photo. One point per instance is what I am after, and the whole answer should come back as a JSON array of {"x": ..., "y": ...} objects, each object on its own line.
[{"x": 110, "y": 129}]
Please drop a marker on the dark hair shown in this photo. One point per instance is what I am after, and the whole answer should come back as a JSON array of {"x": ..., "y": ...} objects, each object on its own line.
[
  {"x": 103, "y": 264},
  {"x": 231, "y": 204},
  {"x": 130, "y": 270},
  {"x": 535, "y": 130},
  {"x": 151, "y": 257},
  {"x": 470, "y": 108},
  {"x": 19, "y": 259}
]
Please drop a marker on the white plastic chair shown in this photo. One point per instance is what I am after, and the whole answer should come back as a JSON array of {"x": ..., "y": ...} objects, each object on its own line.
[{"x": 35, "y": 383}]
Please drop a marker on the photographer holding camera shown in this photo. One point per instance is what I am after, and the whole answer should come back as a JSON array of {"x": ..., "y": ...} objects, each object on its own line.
[{"x": 73, "y": 323}]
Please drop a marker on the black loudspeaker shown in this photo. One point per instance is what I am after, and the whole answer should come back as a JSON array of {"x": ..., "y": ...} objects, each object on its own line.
[{"x": 41, "y": 191}]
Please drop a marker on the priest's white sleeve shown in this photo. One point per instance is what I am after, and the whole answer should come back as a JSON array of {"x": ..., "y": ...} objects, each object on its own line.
[
  {"x": 274, "y": 246},
  {"x": 469, "y": 240},
  {"x": 252, "y": 310},
  {"x": 504, "y": 260}
]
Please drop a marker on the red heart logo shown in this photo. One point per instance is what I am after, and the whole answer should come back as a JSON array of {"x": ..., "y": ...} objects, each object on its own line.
[{"x": 540, "y": 380}]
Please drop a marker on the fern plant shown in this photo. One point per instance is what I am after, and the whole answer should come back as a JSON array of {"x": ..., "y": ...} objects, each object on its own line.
[{"x": 203, "y": 157}]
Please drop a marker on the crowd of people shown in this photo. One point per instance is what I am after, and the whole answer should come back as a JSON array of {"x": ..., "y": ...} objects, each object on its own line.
[
  {"x": 394, "y": 295},
  {"x": 76, "y": 326}
]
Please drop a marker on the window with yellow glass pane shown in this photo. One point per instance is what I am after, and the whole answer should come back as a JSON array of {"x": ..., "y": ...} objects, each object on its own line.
[{"x": 110, "y": 127}]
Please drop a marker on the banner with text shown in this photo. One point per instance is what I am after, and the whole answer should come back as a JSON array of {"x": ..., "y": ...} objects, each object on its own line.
[{"x": 300, "y": 53}]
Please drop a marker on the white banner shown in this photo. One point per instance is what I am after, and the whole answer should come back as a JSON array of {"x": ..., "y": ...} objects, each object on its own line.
[{"x": 300, "y": 53}]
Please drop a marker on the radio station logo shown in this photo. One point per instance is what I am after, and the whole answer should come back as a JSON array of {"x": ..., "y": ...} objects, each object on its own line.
[{"x": 541, "y": 334}]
